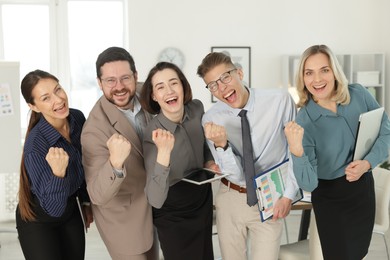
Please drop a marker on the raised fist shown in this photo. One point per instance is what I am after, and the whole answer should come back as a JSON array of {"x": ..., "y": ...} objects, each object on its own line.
[
  {"x": 58, "y": 160},
  {"x": 119, "y": 148},
  {"x": 216, "y": 134}
]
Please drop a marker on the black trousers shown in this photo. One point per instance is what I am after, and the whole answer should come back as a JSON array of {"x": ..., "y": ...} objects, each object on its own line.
[{"x": 50, "y": 238}]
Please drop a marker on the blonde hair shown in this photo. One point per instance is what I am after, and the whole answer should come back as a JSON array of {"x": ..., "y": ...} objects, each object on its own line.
[{"x": 341, "y": 93}]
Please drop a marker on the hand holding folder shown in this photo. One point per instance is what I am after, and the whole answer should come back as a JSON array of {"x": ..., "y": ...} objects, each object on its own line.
[{"x": 270, "y": 187}]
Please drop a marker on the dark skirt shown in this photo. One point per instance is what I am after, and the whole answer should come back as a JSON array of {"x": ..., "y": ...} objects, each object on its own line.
[
  {"x": 184, "y": 223},
  {"x": 345, "y": 215}
]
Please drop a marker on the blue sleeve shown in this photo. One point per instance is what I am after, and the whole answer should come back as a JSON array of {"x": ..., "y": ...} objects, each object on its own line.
[
  {"x": 51, "y": 191},
  {"x": 305, "y": 172},
  {"x": 380, "y": 150},
  {"x": 305, "y": 167}
]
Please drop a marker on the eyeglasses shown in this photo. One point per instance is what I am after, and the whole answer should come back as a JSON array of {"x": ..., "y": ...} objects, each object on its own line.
[
  {"x": 111, "y": 82},
  {"x": 224, "y": 78}
]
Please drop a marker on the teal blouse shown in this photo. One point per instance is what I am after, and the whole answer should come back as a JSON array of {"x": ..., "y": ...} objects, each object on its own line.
[{"x": 329, "y": 138}]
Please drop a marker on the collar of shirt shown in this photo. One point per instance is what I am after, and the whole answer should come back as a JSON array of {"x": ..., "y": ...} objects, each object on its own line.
[
  {"x": 168, "y": 124},
  {"x": 249, "y": 106},
  {"x": 50, "y": 133},
  {"x": 136, "y": 108},
  {"x": 137, "y": 105},
  {"x": 315, "y": 111}
]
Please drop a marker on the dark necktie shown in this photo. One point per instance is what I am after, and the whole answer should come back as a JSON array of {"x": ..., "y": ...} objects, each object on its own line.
[{"x": 249, "y": 167}]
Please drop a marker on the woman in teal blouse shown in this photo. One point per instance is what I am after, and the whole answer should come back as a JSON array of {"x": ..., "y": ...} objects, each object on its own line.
[{"x": 322, "y": 142}]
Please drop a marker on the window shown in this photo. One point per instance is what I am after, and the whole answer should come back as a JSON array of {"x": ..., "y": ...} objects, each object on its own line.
[
  {"x": 26, "y": 42},
  {"x": 88, "y": 36},
  {"x": 63, "y": 37}
]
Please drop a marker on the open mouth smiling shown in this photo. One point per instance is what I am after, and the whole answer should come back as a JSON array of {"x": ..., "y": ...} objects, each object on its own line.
[
  {"x": 59, "y": 108},
  {"x": 319, "y": 86},
  {"x": 171, "y": 100},
  {"x": 120, "y": 93}
]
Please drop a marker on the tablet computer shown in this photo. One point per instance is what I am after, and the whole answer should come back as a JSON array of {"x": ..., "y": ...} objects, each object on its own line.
[
  {"x": 203, "y": 175},
  {"x": 368, "y": 131}
]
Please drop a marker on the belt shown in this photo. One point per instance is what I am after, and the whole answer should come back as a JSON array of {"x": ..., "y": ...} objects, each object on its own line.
[{"x": 233, "y": 186}]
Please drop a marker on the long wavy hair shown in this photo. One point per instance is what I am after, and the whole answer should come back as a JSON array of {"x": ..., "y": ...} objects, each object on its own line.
[{"x": 25, "y": 197}]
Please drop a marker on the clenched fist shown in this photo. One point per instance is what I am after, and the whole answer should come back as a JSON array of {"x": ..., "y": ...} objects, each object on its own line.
[
  {"x": 294, "y": 134},
  {"x": 58, "y": 160},
  {"x": 119, "y": 148},
  {"x": 164, "y": 141},
  {"x": 216, "y": 134}
]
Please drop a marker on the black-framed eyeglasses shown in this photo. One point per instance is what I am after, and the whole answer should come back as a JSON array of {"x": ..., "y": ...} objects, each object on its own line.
[
  {"x": 225, "y": 78},
  {"x": 111, "y": 82}
]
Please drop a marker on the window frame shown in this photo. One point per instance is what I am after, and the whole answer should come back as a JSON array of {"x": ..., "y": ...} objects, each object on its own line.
[
  {"x": 59, "y": 44},
  {"x": 59, "y": 52}
]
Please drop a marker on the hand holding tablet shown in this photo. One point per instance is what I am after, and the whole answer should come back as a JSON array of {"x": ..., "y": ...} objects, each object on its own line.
[{"x": 203, "y": 175}]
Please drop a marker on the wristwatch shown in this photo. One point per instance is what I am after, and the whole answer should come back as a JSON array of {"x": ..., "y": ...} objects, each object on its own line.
[
  {"x": 118, "y": 173},
  {"x": 221, "y": 149}
]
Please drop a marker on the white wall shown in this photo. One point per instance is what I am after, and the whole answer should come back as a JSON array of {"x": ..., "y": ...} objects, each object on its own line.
[{"x": 270, "y": 28}]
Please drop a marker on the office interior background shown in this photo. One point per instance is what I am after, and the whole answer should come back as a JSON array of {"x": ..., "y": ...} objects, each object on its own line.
[{"x": 65, "y": 37}]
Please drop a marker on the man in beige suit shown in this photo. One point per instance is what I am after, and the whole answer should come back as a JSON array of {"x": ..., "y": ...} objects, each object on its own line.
[{"x": 113, "y": 160}]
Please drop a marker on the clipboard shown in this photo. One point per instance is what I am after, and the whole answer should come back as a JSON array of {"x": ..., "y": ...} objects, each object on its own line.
[
  {"x": 270, "y": 186},
  {"x": 203, "y": 175}
]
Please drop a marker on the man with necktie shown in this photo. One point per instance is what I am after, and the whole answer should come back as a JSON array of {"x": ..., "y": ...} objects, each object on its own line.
[{"x": 245, "y": 134}]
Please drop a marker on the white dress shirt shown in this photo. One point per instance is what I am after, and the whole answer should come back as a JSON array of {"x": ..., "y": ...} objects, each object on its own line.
[{"x": 268, "y": 111}]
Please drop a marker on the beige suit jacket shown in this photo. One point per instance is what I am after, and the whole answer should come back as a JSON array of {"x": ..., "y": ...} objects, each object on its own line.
[{"x": 121, "y": 211}]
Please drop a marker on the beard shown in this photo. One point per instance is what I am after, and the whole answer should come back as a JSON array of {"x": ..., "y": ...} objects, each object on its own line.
[{"x": 125, "y": 104}]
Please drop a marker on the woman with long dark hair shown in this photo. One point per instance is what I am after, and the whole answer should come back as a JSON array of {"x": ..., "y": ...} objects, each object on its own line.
[{"x": 48, "y": 220}]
